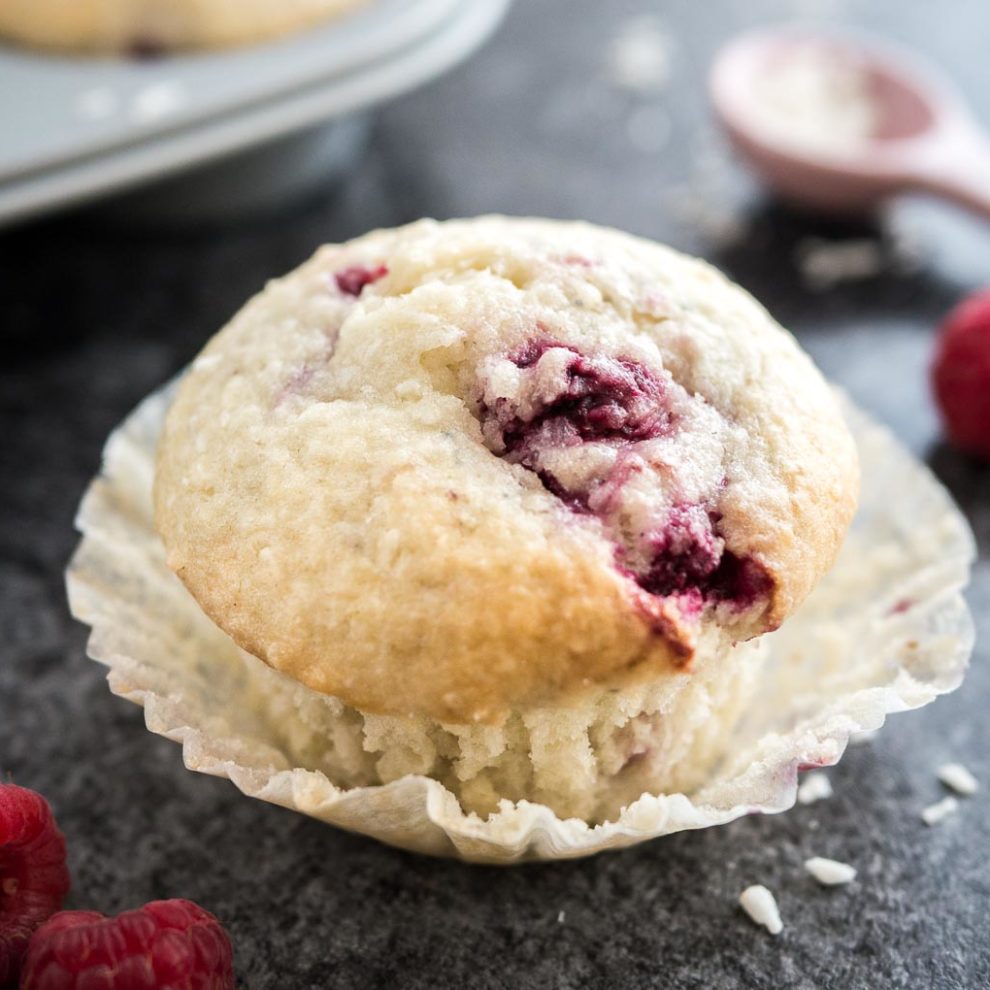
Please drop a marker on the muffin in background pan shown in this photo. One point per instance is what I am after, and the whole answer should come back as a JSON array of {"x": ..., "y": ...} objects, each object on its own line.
[
  {"x": 511, "y": 500},
  {"x": 158, "y": 26}
]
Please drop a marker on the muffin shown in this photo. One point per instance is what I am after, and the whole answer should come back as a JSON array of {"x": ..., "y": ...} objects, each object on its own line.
[
  {"x": 149, "y": 26},
  {"x": 510, "y": 501}
]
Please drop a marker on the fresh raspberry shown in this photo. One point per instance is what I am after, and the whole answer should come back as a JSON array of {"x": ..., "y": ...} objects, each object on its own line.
[
  {"x": 961, "y": 374},
  {"x": 33, "y": 874},
  {"x": 165, "y": 945},
  {"x": 352, "y": 280}
]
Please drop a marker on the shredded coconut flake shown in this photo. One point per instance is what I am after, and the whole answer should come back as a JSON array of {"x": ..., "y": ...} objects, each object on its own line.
[
  {"x": 640, "y": 54},
  {"x": 825, "y": 263},
  {"x": 829, "y": 872},
  {"x": 761, "y": 906},
  {"x": 864, "y": 737},
  {"x": 935, "y": 813},
  {"x": 956, "y": 776},
  {"x": 815, "y": 100},
  {"x": 815, "y": 787},
  {"x": 154, "y": 102}
]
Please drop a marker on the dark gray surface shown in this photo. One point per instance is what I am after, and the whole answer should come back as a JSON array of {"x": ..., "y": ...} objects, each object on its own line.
[{"x": 93, "y": 318}]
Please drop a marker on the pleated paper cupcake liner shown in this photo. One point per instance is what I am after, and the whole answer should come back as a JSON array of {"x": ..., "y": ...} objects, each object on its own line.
[{"x": 887, "y": 630}]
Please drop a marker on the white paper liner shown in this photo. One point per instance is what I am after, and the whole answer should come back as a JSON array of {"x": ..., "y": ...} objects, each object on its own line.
[{"x": 887, "y": 630}]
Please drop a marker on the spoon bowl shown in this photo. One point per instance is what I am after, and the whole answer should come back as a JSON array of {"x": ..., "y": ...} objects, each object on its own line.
[{"x": 840, "y": 123}]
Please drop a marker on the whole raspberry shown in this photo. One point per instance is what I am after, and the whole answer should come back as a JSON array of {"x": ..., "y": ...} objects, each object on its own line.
[
  {"x": 165, "y": 945},
  {"x": 33, "y": 875},
  {"x": 961, "y": 374}
]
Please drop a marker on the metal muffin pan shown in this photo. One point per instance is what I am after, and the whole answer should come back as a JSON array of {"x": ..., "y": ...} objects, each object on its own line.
[{"x": 95, "y": 126}]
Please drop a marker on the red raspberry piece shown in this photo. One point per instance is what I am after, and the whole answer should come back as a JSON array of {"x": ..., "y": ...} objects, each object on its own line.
[
  {"x": 165, "y": 945},
  {"x": 352, "y": 280},
  {"x": 961, "y": 374},
  {"x": 33, "y": 876}
]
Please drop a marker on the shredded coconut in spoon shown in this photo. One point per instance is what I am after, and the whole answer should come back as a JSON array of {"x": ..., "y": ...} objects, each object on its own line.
[{"x": 814, "y": 100}]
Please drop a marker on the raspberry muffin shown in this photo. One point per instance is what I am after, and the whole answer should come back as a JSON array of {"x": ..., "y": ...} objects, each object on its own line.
[
  {"x": 510, "y": 501},
  {"x": 159, "y": 25}
]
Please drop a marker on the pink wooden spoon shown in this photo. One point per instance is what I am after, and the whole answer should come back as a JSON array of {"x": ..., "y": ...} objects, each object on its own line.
[{"x": 918, "y": 135}]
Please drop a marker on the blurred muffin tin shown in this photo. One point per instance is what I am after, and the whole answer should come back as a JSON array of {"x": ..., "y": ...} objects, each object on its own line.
[{"x": 76, "y": 128}]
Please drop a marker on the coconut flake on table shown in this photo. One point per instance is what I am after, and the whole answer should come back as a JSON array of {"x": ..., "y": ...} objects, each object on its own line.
[
  {"x": 958, "y": 777},
  {"x": 863, "y": 738},
  {"x": 939, "y": 811},
  {"x": 830, "y": 872},
  {"x": 815, "y": 787},
  {"x": 815, "y": 100},
  {"x": 639, "y": 55},
  {"x": 704, "y": 214},
  {"x": 761, "y": 906},
  {"x": 825, "y": 263},
  {"x": 708, "y": 202}
]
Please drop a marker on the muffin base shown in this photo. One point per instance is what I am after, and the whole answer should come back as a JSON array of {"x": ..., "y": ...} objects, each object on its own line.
[{"x": 587, "y": 761}]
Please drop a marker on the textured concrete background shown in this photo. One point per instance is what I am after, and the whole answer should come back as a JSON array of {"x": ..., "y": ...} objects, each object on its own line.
[{"x": 95, "y": 316}]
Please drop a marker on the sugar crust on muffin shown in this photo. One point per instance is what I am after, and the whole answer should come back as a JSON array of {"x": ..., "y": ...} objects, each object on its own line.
[
  {"x": 464, "y": 470},
  {"x": 151, "y": 26}
]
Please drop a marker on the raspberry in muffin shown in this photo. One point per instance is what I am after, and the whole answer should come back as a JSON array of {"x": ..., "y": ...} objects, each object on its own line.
[{"x": 510, "y": 500}]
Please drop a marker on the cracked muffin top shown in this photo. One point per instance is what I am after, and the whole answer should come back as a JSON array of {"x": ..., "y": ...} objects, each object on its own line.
[
  {"x": 459, "y": 468},
  {"x": 153, "y": 26}
]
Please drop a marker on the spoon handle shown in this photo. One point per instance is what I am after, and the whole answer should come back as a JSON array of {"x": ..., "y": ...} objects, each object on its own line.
[{"x": 960, "y": 171}]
